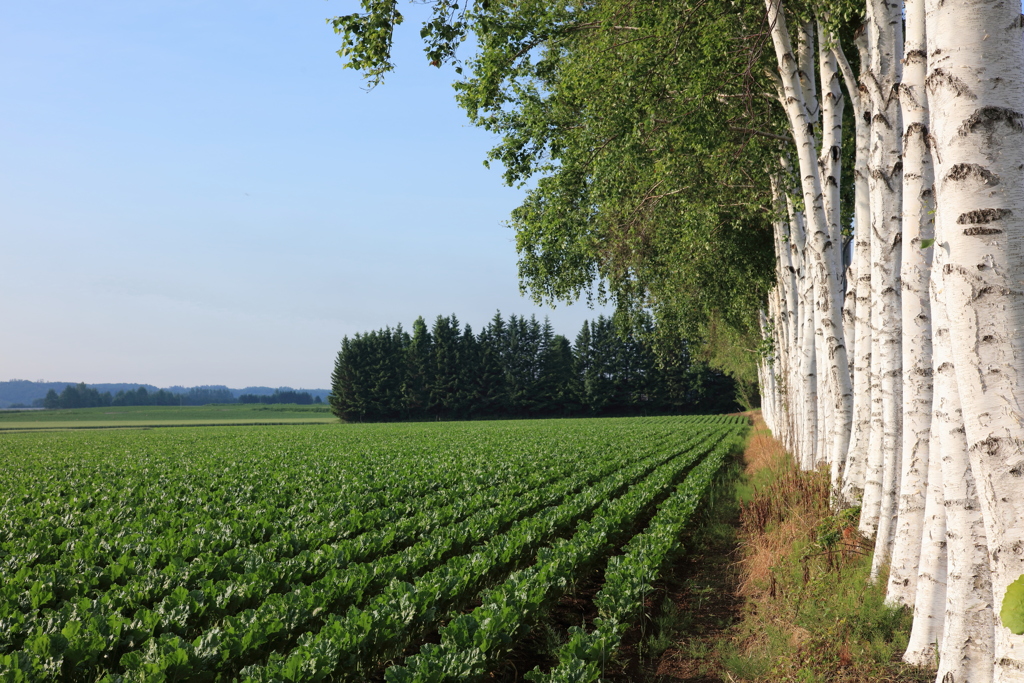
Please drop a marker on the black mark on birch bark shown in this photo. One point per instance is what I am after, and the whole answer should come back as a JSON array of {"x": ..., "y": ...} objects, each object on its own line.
[
  {"x": 915, "y": 56},
  {"x": 963, "y": 171},
  {"x": 916, "y": 128},
  {"x": 941, "y": 78},
  {"x": 988, "y": 117},
  {"x": 982, "y": 216}
]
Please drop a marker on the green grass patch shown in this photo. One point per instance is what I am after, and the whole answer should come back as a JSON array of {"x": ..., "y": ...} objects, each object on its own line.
[{"x": 810, "y": 613}]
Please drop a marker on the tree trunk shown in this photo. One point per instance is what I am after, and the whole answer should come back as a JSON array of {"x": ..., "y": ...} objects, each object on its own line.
[
  {"x": 885, "y": 47},
  {"x": 915, "y": 270},
  {"x": 966, "y": 649},
  {"x": 785, "y": 330},
  {"x": 976, "y": 88},
  {"x": 930, "y": 596},
  {"x": 830, "y": 167},
  {"x": 853, "y": 474},
  {"x": 834, "y": 365},
  {"x": 807, "y": 379}
]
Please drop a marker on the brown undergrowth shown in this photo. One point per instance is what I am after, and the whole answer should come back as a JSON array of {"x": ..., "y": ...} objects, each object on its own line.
[{"x": 809, "y": 611}]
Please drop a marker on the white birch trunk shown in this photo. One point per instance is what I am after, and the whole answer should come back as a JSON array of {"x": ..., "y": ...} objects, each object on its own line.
[
  {"x": 853, "y": 474},
  {"x": 834, "y": 365},
  {"x": 850, "y": 329},
  {"x": 764, "y": 380},
  {"x": 825, "y": 416},
  {"x": 806, "y": 376},
  {"x": 795, "y": 384},
  {"x": 872, "y": 496},
  {"x": 796, "y": 380},
  {"x": 885, "y": 47},
  {"x": 850, "y": 334},
  {"x": 809, "y": 371},
  {"x": 784, "y": 330},
  {"x": 966, "y": 648},
  {"x": 930, "y": 596},
  {"x": 778, "y": 364},
  {"x": 915, "y": 270},
  {"x": 806, "y": 72},
  {"x": 830, "y": 166},
  {"x": 976, "y": 91},
  {"x": 801, "y": 378}
]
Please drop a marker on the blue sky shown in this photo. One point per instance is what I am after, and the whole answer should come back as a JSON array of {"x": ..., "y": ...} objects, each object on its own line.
[{"x": 198, "y": 193}]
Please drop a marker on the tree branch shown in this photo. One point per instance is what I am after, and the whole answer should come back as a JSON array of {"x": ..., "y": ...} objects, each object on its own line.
[
  {"x": 848, "y": 77},
  {"x": 762, "y": 133}
]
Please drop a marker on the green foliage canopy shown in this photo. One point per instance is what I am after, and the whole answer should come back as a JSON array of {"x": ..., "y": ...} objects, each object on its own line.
[{"x": 646, "y": 133}]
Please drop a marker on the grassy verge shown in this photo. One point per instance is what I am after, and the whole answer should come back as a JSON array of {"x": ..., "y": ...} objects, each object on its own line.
[{"x": 776, "y": 588}]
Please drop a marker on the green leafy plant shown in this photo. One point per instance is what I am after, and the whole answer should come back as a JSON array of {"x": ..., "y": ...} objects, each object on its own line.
[{"x": 1012, "y": 612}]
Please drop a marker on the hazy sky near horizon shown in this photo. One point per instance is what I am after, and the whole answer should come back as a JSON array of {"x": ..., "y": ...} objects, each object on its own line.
[{"x": 198, "y": 193}]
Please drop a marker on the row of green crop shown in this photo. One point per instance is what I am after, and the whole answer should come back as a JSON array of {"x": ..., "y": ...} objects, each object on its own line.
[
  {"x": 156, "y": 609},
  {"x": 220, "y": 501},
  {"x": 629, "y": 577},
  {"x": 145, "y": 569},
  {"x": 68, "y": 506},
  {"x": 60, "y": 645},
  {"x": 471, "y": 643},
  {"x": 166, "y": 598},
  {"x": 507, "y": 545},
  {"x": 184, "y": 610},
  {"x": 347, "y": 647}
]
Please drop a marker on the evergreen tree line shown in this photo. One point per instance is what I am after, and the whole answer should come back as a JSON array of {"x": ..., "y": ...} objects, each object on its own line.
[
  {"x": 515, "y": 369},
  {"x": 83, "y": 396}
]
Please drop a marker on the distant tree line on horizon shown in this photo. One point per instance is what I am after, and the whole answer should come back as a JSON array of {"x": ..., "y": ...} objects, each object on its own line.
[
  {"x": 302, "y": 398},
  {"x": 514, "y": 369},
  {"x": 83, "y": 396}
]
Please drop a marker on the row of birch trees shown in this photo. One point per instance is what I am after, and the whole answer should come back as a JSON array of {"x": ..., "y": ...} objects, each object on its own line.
[
  {"x": 693, "y": 158},
  {"x": 897, "y": 362}
]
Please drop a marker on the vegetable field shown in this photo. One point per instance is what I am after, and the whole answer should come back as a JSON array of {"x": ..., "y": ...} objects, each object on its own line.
[
  {"x": 164, "y": 416},
  {"x": 412, "y": 552}
]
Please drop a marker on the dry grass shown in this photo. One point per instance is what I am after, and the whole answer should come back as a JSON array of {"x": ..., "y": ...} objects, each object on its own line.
[
  {"x": 763, "y": 450},
  {"x": 809, "y": 612}
]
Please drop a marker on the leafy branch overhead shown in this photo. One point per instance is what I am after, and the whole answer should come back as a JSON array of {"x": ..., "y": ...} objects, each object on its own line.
[
  {"x": 645, "y": 133},
  {"x": 367, "y": 37}
]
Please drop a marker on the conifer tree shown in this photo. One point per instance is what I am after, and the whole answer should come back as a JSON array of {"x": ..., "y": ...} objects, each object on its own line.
[
  {"x": 418, "y": 371},
  {"x": 561, "y": 386},
  {"x": 521, "y": 363},
  {"x": 582, "y": 365},
  {"x": 466, "y": 404},
  {"x": 444, "y": 386},
  {"x": 491, "y": 378}
]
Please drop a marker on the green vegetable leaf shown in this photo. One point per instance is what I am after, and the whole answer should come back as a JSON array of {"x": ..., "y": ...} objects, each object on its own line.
[{"x": 1012, "y": 613}]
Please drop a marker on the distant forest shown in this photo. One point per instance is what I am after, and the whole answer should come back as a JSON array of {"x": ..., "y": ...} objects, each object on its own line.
[
  {"x": 21, "y": 393},
  {"x": 516, "y": 368},
  {"x": 83, "y": 396},
  {"x": 303, "y": 398}
]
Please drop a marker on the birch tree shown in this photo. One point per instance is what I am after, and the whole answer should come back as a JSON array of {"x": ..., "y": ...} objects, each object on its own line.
[
  {"x": 976, "y": 92},
  {"x": 915, "y": 271},
  {"x": 828, "y": 298},
  {"x": 852, "y": 487},
  {"x": 885, "y": 48}
]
